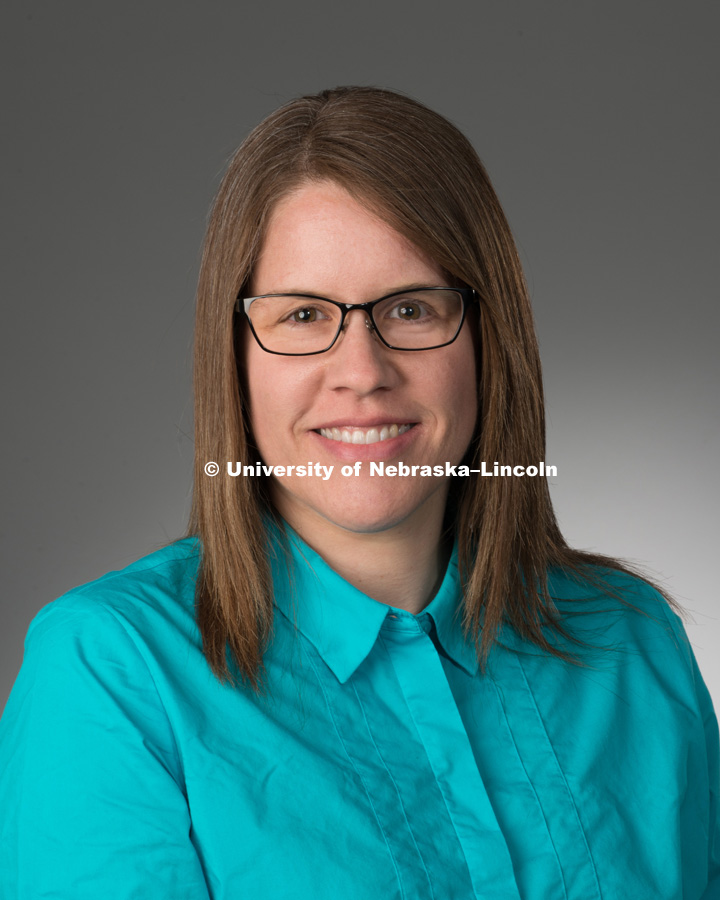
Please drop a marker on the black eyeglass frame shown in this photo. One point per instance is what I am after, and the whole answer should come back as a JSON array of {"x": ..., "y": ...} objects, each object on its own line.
[{"x": 242, "y": 304}]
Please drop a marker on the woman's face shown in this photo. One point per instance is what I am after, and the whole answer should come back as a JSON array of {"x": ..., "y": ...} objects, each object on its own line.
[{"x": 321, "y": 241}]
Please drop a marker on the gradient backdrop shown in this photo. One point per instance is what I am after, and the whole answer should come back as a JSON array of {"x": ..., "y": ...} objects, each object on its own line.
[{"x": 598, "y": 122}]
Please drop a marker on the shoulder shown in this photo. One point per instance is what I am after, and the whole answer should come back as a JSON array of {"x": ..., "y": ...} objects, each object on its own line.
[
  {"x": 106, "y": 654},
  {"x": 163, "y": 580},
  {"x": 135, "y": 611},
  {"x": 612, "y": 600},
  {"x": 624, "y": 623}
]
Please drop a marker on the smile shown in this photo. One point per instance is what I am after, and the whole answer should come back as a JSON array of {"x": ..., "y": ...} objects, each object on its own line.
[{"x": 353, "y": 435}]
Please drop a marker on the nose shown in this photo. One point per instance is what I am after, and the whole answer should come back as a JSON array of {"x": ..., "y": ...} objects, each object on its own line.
[{"x": 359, "y": 361}]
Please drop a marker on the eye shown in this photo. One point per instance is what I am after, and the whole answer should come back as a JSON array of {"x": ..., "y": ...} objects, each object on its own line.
[
  {"x": 307, "y": 314},
  {"x": 408, "y": 311}
]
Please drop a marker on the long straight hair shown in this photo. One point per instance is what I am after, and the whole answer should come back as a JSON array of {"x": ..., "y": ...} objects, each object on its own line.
[{"x": 419, "y": 173}]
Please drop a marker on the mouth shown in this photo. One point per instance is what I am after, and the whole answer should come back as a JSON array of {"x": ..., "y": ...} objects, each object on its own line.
[{"x": 375, "y": 435}]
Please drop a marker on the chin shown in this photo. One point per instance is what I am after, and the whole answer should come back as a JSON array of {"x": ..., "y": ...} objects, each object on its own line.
[
  {"x": 365, "y": 522},
  {"x": 376, "y": 509},
  {"x": 365, "y": 506}
]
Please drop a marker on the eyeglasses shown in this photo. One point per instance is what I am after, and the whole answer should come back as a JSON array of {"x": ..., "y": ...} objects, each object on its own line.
[{"x": 303, "y": 324}]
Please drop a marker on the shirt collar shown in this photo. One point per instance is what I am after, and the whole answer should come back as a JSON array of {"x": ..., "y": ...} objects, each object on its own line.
[
  {"x": 341, "y": 622},
  {"x": 446, "y": 611}
]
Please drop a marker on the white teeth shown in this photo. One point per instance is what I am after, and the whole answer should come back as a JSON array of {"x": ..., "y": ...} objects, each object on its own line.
[{"x": 364, "y": 435}]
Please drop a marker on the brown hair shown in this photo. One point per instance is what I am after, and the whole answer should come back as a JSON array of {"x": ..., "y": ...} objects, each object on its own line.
[{"x": 422, "y": 176}]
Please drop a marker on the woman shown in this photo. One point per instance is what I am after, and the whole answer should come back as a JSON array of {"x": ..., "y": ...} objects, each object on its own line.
[{"x": 347, "y": 681}]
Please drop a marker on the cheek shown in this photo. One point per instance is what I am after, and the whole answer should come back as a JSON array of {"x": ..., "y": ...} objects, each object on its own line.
[
  {"x": 279, "y": 391},
  {"x": 458, "y": 388}
]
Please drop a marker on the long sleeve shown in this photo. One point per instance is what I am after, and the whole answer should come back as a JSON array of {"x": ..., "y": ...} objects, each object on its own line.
[
  {"x": 91, "y": 787},
  {"x": 713, "y": 756},
  {"x": 702, "y": 818}
]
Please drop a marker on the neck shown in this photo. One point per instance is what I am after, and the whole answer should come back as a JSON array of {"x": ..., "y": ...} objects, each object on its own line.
[{"x": 402, "y": 566}]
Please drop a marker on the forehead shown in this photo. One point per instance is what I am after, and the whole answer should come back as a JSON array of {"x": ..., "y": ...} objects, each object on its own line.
[{"x": 320, "y": 239}]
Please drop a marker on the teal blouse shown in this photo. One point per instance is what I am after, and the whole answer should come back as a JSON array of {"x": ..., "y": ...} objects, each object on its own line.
[{"x": 382, "y": 763}]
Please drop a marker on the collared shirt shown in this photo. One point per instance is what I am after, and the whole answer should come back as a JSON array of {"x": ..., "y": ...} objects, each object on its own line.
[{"x": 383, "y": 763}]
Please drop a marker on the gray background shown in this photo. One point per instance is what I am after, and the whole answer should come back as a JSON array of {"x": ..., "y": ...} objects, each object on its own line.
[{"x": 598, "y": 124}]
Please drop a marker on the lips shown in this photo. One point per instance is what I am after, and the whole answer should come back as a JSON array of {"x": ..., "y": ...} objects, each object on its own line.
[{"x": 350, "y": 434}]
